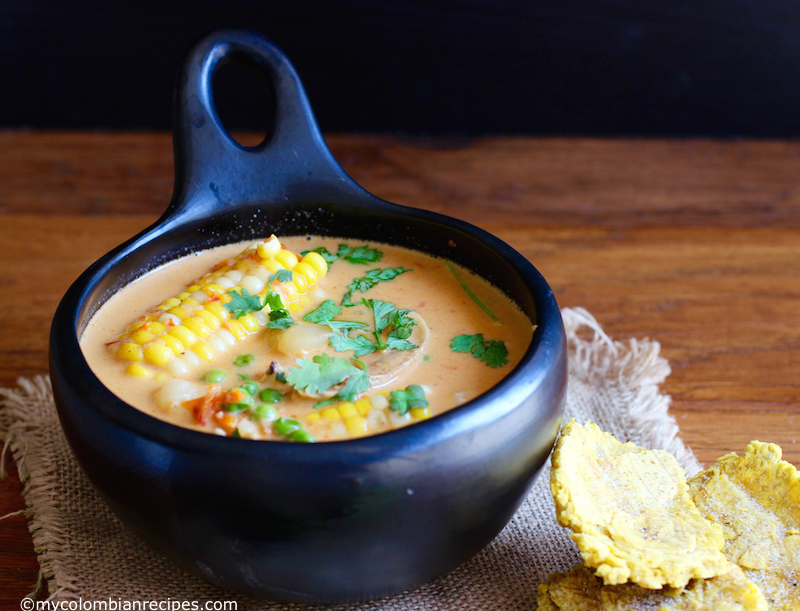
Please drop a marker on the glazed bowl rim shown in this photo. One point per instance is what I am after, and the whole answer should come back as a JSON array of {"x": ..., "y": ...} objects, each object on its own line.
[{"x": 505, "y": 396}]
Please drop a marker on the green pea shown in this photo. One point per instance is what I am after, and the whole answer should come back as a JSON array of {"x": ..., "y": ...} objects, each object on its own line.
[
  {"x": 270, "y": 395},
  {"x": 265, "y": 412},
  {"x": 243, "y": 360},
  {"x": 301, "y": 436},
  {"x": 251, "y": 388},
  {"x": 285, "y": 426},
  {"x": 235, "y": 407},
  {"x": 214, "y": 376}
]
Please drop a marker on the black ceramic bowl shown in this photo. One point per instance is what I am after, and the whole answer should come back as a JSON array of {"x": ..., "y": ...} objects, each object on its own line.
[{"x": 324, "y": 522}]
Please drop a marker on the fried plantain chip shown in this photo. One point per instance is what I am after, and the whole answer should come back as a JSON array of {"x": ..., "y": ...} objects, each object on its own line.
[
  {"x": 630, "y": 511},
  {"x": 756, "y": 497},
  {"x": 580, "y": 590}
]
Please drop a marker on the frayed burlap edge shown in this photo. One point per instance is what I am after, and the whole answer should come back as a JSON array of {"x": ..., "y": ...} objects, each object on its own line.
[
  {"x": 19, "y": 432},
  {"x": 637, "y": 365},
  {"x": 634, "y": 366}
]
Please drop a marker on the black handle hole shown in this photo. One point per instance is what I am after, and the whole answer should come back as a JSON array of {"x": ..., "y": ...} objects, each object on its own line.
[{"x": 245, "y": 100}]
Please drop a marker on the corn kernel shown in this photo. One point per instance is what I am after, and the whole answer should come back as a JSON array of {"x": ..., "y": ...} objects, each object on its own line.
[
  {"x": 173, "y": 343},
  {"x": 188, "y": 301},
  {"x": 249, "y": 322},
  {"x": 304, "y": 300},
  {"x": 135, "y": 369},
  {"x": 134, "y": 326},
  {"x": 347, "y": 409},
  {"x": 217, "y": 309},
  {"x": 300, "y": 283},
  {"x": 183, "y": 295},
  {"x": 193, "y": 288},
  {"x": 269, "y": 248},
  {"x": 379, "y": 401},
  {"x": 313, "y": 418},
  {"x": 161, "y": 377},
  {"x": 158, "y": 353},
  {"x": 356, "y": 425},
  {"x": 130, "y": 352},
  {"x": 187, "y": 337},
  {"x": 421, "y": 413},
  {"x": 363, "y": 406},
  {"x": 286, "y": 258},
  {"x": 156, "y": 327},
  {"x": 140, "y": 336},
  {"x": 178, "y": 311},
  {"x": 272, "y": 265},
  {"x": 290, "y": 291},
  {"x": 306, "y": 270},
  {"x": 295, "y": 307},
  {"x": 203, "y": 349},
  {"x": 241, "y": 266},
  {"x": 196, "y": 325},
  {"x": 331, "y": 413},
  {"x": 170, "y": 303},
  {"x": 207, "y": 317},
  {"x": 212, "y": 288},
  {"x": 237, "y": 330},
  {"x": 315, "y": 260}
]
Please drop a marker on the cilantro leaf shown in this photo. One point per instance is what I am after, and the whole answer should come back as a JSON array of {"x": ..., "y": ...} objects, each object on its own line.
[
  {"x": 243, "y": 303},
  {"x": 361, "y": 255},
  {"x": 356, "y": 383},
  {"x": 465, "y": 343},
  {"x": 280, "y": 319},
  {"x": 370, "y": 279},
  {"x": 323, "y": 252},
  {"x": 395, "y": 343},
  {"x": 361, "y": 344},
  {"x": 496, "y": 353},
  {"x": 326, "y": 311},
  {"x": 386, "y": 316},
  {"x": 279, "y": 316},
  {"x": 346, "y": 300},
  {"x": 492, "y": 352},
  {"x": 324, "y": 314},
  {"x": 282, "y": 275},
  {"x": 382, "y": 311},
  {"x": 323, "y": 372},
  {"x": 402, "y": 325},
  {"x": 281, "y": 377},
  {"x": 344, "y": 325},
  {"x": 320, "y": 373},
  {"x": 407, "y": 398}
]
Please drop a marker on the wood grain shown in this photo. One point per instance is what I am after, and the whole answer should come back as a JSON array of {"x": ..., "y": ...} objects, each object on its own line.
[
  {"x": 695, "y": 244},
  {"x": 614, "y": 183}
]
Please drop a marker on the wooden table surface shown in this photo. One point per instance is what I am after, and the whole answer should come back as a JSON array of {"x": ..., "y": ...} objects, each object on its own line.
[{"x": 694, "y": 243}]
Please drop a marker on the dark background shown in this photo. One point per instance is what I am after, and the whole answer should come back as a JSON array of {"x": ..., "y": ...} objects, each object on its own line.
[{"x": 422, "y": 67}]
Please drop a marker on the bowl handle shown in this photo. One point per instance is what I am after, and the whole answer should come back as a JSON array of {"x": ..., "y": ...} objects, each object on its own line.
[{"x": 213, "y": 172}]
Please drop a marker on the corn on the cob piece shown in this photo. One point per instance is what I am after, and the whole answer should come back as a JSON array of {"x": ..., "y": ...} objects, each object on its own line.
[{"x": 194, "y": 326}]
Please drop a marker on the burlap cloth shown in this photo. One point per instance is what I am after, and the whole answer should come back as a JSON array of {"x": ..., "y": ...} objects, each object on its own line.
[{"x": 86, "y": 554}]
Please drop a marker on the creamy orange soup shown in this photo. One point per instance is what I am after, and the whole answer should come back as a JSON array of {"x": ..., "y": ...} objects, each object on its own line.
[{"x": 263, "y": 342}]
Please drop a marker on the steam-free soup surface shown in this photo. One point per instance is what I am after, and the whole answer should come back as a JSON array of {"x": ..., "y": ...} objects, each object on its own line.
[{"x": 188, "y": 345}]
